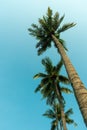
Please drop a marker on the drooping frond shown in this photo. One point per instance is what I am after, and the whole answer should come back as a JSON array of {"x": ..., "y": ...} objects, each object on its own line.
[
  {"x": 71, "y": 121},
  {"x": 52, "y": 97},
  {"x": 47, "y": 90},
  {"x": 69, "y": 112},
  {"x": 63, "y": 44},
  {"x": 64, "y": 79},
  {"x": 44, "y": 82},
  {"x": 43, "y": 45},
  {"x": 35, "y": 26},
  {"x": 50, "y": 114},
  {"x": 65, "y": 27},
  {"x": 53, "y": 125},
  {"x": 39, "y": 75},
  {"x": 36, "y": 32},
  {"x": 38, "y": 88},
  {"x": 66, "y": 90},
  {"x": 68, "y": 119}
]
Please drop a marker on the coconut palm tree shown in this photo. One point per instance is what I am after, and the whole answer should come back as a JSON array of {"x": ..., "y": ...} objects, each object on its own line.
[
  {"x": 49, "y": 31},
  {"x": 50, "y": 85},
  {"x": 54, "y": 114}
]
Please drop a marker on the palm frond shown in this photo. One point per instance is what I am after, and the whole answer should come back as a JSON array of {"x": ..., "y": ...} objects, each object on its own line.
[
  {"x": 64, "y": 79},
  {"x": 71, "y": 121},
  {"x": 51, "y": 99},
  {"x": 63, "y": 44},
  {"x": 53, "y": 125},
  {"x": 38, "y": 88},
  {"x": 60, "y": 21},
  {"x": 37, "y": 32},
  {"x": 47, "y": 90},
  {"x": 55, "y": 21},
  {"x": 35, "y": 26},
  {"x": 69, "y": 112},
  {"x": 66, "y": 90},
  {"x": 43, "y": 45},
  {"x": 49, "y": 12},
  {"x": 50, "y": 114},
  {"x": 47, "y": 64},
  {"x": 44, "y": 25},
  {"x": 68, "y": 119},
  {"x": 39, "y": 75},
  {"x": 45, "y": 81},
  {"x": 59, "y": 65},
  {"x": 42, "y": 85},
  {"x": 66, "y": 27},
  {"x": 41, "y": 50}
]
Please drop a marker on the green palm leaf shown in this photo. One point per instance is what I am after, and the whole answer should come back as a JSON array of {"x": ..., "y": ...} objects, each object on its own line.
[
  {"x": 39, "y": 75},
  {"x": 69, "y": 112},
  {"x": 64, "y": 79},
  {"x": 50, "y": 114},
  {"x": 66, "y": 90},
  {"x": 55, "y": 21},
  {"x": 48, "y": 65},
  {"x": 60, "y": 21},
  {"x": 38, "y": 88},
  {"x": 65, "y": 27},
  {"x": 53, "y": 125},
  {"x": 49, "y": 12}
]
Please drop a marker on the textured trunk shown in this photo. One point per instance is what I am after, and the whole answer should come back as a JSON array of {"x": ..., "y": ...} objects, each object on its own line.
[
  {"x": 62, "y": 108},
  {"x": 79, "y": 89}
]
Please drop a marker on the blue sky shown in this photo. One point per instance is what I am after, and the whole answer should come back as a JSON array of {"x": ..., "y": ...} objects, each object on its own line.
[{"x": 20, "y": 107}]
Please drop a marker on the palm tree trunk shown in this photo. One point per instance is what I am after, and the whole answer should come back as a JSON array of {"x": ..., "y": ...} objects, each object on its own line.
[
  {"x": 79, "y": 89},
  {"x": 62, "y": 108}
]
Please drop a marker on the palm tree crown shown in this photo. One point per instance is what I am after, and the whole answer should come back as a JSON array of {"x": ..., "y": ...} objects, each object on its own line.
[
  {"x": 54, "y": 114},
  {"x": 49, "y": 25},
  {"x": 51, "y": 75}
]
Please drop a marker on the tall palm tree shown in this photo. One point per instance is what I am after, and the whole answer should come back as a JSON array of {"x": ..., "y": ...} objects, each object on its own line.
[
  {"x": 54, "y": 114},
  {"x": 50, "y": 85},
  {"x": 49, "y": 30}
]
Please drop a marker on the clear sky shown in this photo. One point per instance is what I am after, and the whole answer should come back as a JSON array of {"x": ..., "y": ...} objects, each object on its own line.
[{"x": 20, "y": 107}]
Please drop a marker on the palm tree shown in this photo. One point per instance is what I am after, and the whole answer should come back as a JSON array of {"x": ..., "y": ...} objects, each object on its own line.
[
  {"x": 55, "y": 115},
  {"x": 49, "y": 30},
  {"x": 50, "y": 85}
]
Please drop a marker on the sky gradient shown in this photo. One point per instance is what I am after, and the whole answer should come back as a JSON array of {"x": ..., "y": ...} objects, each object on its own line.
[{"x": 20, "y": 107}]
